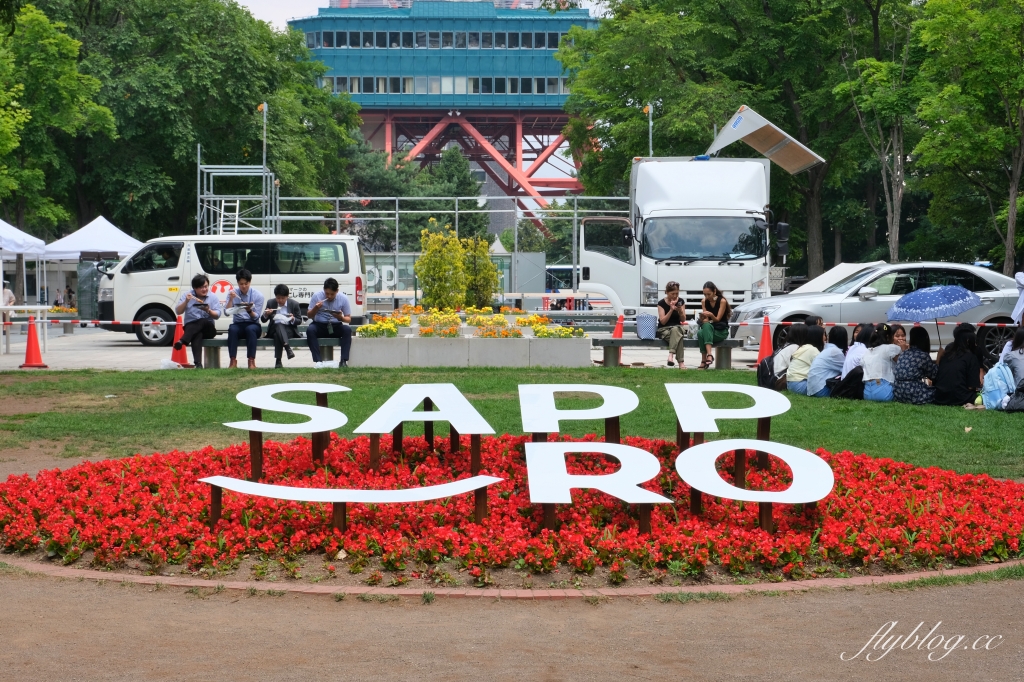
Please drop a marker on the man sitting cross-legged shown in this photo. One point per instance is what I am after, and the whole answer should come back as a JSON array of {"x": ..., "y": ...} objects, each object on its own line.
[
  {"x": 279, "y": 310},
  {"x": 329, "y": 312}
]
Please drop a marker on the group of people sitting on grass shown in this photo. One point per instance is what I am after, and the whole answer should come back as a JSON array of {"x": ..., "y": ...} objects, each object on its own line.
[
  {"x": 329, "y": 313},
  {"x": 885, "y": 364}
]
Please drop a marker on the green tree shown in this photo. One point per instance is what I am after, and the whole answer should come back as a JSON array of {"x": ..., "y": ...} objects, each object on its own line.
[
  {"x": 177, "y": 73},
  {"x": 481, "y": 272},
  {"x": 451, "y": 177},
  {"x": 530, "y": 239},
  {"x": 441, "y": 269},
  {"x": 974, "y": 115},
  {"x": 59, "y": 103}
]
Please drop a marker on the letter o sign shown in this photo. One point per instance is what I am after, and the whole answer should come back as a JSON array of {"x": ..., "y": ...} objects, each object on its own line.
[{"x": 812, "y": 476}]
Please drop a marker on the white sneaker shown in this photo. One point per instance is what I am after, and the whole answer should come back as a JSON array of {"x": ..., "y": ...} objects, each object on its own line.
[{"x": 318, "y": 365}]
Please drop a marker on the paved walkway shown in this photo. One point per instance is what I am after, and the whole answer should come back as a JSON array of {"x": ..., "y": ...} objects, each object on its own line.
[{"x": 100, "y": 349}]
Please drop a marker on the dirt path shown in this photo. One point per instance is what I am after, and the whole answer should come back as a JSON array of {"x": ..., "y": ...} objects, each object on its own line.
[{"x": 70, "y": 630}]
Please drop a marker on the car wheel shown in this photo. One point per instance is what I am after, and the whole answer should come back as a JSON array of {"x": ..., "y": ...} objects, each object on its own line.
[
  {"x": 782, "y": 332},
  {"x": 154, "y": 330},
  {"x": 992, "y": 340}
]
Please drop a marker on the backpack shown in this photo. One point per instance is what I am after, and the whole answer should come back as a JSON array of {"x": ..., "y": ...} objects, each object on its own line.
[
  {"x": 646, "y": 326},
  {"x": 998, "y": 385},
  {"x": 766, "y": 372},
  {"x": 852, "y": 387},
  {"x": 1016, "y": 402}
]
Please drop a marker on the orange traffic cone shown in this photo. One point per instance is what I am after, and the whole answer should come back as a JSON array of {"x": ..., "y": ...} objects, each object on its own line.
[
  {"x": 179, "y": 356},
  {"x": 766, "y": 342},
  {"x": 617, "y": 334},
  {"x": 33, "y": 358}
]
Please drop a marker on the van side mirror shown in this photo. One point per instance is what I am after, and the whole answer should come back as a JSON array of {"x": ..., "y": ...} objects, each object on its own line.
[{"x": 867, "y": 293}]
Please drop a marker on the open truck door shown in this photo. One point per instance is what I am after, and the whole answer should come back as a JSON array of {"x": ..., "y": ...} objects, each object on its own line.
[{"x": 608, "y": 261}]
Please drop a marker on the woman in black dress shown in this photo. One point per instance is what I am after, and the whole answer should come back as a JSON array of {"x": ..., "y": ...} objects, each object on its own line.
[{"x": 959, "y": 377}]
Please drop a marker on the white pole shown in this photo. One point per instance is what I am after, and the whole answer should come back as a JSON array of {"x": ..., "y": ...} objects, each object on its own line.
[
  {"x": 650, "y": 129},
  {"x": 264, "y": 135}
]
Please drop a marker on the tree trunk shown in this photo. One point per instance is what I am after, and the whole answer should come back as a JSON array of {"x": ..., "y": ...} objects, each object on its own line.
[
  {"x": 812, "y": 213},
  {"x": 1009, "y": 257},
  {"x": 871, "y": 199},
  {"x": 837, "y": 235},
  {"x": 893, "y": 186}
]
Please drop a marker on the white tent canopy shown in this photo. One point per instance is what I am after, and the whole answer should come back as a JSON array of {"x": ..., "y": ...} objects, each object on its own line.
[
  {"x": 99, "y": 235},
  {"x": 13, "y": 241}
]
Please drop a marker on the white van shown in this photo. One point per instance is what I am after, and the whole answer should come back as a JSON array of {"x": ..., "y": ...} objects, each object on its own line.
[{"x": 145, "y": 286}]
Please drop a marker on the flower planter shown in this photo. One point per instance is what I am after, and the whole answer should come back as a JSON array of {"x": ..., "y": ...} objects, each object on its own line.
[
  {"x": 433, "y": 351},
  {"x": 379, "y": 352},
  {"x": 405, "y": 331},
  {"x": 560, "y": 352},
  {"x": 499, "y": 352},
  {"x": 526, "y": 331}
]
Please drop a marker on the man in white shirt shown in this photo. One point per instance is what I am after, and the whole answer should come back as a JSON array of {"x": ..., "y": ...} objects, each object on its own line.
[
  {"x": 329, "y": 313},
  {"x": 248, "y": 304}
]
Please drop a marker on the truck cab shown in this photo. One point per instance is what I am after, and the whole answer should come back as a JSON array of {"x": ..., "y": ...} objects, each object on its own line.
[{"x": 692, "y": 220}]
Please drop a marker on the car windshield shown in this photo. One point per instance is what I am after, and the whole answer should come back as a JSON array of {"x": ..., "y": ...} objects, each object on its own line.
[
  {"x": 723, "y": 238},
  {"x": 842, "y": 286}
]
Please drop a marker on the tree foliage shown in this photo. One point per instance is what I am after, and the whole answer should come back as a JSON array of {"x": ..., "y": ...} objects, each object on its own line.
[
  {"x": 441, "y": 269},
  {"x": 481, "y": 272}
]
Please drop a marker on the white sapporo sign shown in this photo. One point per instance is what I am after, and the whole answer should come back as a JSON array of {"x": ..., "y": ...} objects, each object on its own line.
[{"x": 549, "y": 480}]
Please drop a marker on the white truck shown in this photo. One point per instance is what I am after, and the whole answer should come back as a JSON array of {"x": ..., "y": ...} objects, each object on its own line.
[{"x": 693, "y": 220}]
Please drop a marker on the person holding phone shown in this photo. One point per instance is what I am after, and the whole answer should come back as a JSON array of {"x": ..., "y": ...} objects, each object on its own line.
[
  {"x": 283, "y": 315},
  {"x": 329, "y": 313},
  {"x": 714, "y": 322},
  {"x": 198, "y": 310},
  {"x": 671, "y": 313},
  {"x": 248, "y": 304}
]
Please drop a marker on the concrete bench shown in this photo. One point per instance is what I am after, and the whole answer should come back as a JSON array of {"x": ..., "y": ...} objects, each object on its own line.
[
  {"x": 723, "y": 350},
  {"x": 211, "y": 348}
]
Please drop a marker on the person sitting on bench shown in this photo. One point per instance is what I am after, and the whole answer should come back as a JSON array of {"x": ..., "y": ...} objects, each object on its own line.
[
  {"x": 248, "y": 304},
  {"x": 198, "y": 310},
  {"x": 282, "y": 331},
  {"x": 329, "y": 312}
]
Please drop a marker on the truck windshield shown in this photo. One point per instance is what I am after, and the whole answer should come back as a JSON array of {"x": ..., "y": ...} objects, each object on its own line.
[{"x": 724, "y": 238}]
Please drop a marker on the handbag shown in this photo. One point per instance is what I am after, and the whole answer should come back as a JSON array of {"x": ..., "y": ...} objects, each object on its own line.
[
  {"x": 1016, "y": 402},
  {"x": 646, "y": 326}
]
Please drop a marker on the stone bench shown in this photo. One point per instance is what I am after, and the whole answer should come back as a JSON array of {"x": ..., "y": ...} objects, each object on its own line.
[
  {"x": 723, "y": 354},
  {"x": 211, "y": 348}
]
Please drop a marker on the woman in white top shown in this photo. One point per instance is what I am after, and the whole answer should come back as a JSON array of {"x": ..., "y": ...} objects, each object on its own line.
[
  {"x": 861, "y": 336},
  {"x": 800, "y": 364},
  {"x": 879, "y": 362}
]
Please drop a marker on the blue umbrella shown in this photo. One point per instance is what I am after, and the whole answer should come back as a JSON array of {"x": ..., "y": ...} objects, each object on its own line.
[{"x": 932, "y": 303}]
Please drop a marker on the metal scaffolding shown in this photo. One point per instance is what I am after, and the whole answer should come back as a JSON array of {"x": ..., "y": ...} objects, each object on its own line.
[{"x": 236, "y": 212}]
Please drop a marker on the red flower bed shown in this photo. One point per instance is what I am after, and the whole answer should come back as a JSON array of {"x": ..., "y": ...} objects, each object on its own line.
[{"x": 152, "y": 507}]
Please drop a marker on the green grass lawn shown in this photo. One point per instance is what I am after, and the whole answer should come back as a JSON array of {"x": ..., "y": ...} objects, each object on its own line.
[{"x": 159, "y": 411}]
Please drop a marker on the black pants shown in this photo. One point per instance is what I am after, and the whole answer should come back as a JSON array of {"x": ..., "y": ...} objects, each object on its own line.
[
  {"x": 318, "y": 330},
  {"x": 193, "y": 335},
  {"x": 250, "y": 330},
  {"x": 281, "y": 333}
]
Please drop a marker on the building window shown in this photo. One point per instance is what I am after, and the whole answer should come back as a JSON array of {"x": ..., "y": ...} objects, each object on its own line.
[
  {"x": 552, "y": 86},
  {"x": 394, "y": 39},
  {"x": 499, "y": 86},
  {"x": 499, "y": 41},
  {"x": 538, "y": 41},
  {"x": 318, "y": 43},
  {"x": 368, "y": 39},
  {"x": 367, "y": 85},
  {"x": 565, "y": 86},
  {"x": 447, "y": 39},
  {"x": 395, "y": 86},
  {"x": 513, "y": 41},
  {"x": 447, "y": 85},
  {"x": 485, "y": 86},
  {"x": 408, "y": 88},
  {"x": 513, "y": 86},
  {"x": 382, "y": 85},
  {"x": 460, "y": 41},
  {"x": 487, "y": 41},
  {"x": 328, "y": 38},
  {"x": 421, "y": 39},
  {"x": 341, "y": 84},
  {"x": 435, "y": 40},
  {"x": 407, "y": 40},
  {"x": 526, "y": 86},
  {"x": 474, "y": 86},
  {"x": 539, "y": 87},
  {"x": 460, "y": 85},
  {"x": 341, "y": 39},
  {"x": 353, "y": 85},
  {"x": 382, "y": 40},
  {"x": 421, "y": 85},
  {"x": 311, "y": 40},
  {"x": 474, "y": 40},
  {"x": 434, "y": 85},
  {"x": 527, "y": 41},
  {"x": 552, "y": 41},
  {"x": 353, "y": 39}
]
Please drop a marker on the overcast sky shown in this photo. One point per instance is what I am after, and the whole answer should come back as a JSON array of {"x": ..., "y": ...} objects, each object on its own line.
[{"x": 278, "y": 12}]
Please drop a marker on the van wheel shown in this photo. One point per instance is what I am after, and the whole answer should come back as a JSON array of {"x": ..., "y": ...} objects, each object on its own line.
[
  {"x": 992, "y": 340},
  {"x": 154, "y": 331}
]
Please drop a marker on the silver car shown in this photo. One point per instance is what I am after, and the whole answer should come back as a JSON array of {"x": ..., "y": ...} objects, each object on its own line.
[{"x": 867, "y": 295}]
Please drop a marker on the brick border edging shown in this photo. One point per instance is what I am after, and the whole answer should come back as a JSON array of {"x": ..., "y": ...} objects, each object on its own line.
[{"x": 355, "y": 590}]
